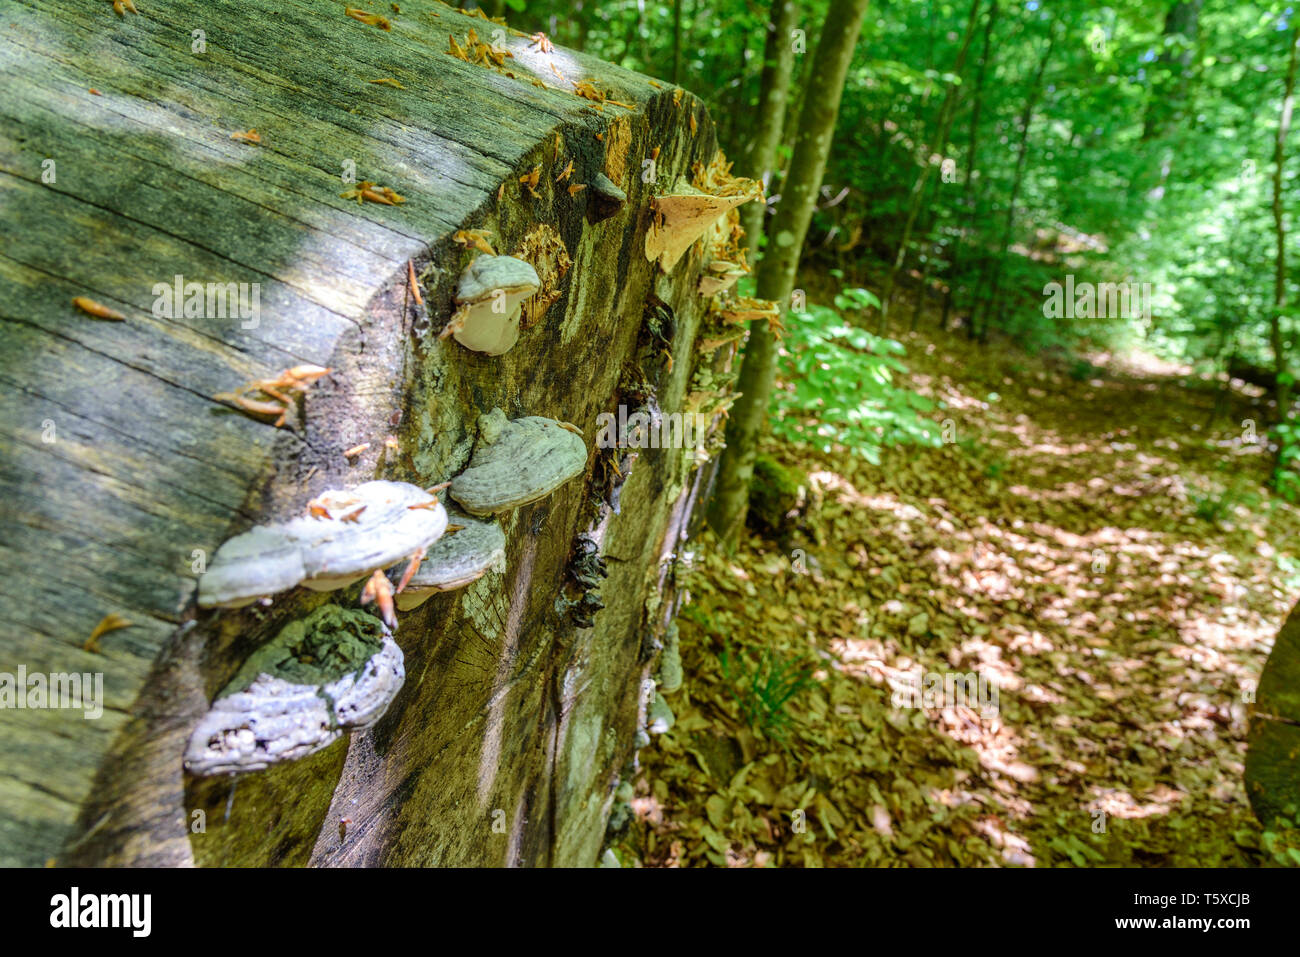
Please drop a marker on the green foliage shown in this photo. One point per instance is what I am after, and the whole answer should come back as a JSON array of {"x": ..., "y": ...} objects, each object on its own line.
[
  {"x": 1149, "y": 151},
  {"x": 1281, "y": 840},
  {"x": 1286, "y": 471},
  {"x": 995, "y": 469},
  {"x": 839, "y": 385},
  {"x": 762, "y": 688},
  {"x": 1289, "y": 568},
  {"x": 1081, "y": 370},
  {"x": 847, "y": 300},
  {"x": 1219, "y": 504}
]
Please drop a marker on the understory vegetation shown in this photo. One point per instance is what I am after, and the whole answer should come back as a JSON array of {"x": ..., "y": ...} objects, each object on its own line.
[
  {"x": 1028, "y": 417},
  {"x": 1113, "y": 574}
]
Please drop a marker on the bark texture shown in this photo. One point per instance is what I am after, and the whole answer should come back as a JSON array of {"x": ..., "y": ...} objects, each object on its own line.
[
  {"x": 780, "y": 261},
  {"x": 774, "y": 93},
  {"x": 119, "y": 474}
]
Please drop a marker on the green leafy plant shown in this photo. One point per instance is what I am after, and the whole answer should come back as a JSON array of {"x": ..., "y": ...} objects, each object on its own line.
[
  {"x": 1281, "y": 840},
  {"x": 840, "y": 385},
  {"x": 855, "y": 299},
  {"x": 1289, "y": 569},
  {"x": 1218, "y": 504},
  {"x": 1286, "y": 470},
  {"x": 763, "y": 688}
]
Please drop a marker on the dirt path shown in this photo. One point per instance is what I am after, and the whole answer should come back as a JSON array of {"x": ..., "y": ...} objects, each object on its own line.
[{"x": 1106, "y": 561}]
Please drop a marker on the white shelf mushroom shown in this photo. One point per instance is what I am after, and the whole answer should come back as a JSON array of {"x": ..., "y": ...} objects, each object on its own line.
[
  {"x": 345, "y": 536},
  {"x": 334, "y": 672},
  {"x": 660, "y": 718},
  {"x": 489, "y": 295}
]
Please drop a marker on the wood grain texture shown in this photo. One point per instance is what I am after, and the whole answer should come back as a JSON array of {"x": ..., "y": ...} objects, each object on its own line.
[{"x": 118, "y": 471}]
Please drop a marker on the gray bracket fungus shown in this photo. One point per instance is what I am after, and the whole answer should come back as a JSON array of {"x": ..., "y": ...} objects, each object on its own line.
[
  {"x": 333, "y": 672},
  {"x": 490, "y": 295},
  {"x": 350, "y": 535},
  {"x": 457, "y": 559},
  {"x": 517, "y": 462},
  {"x": 609, "y": 859},
  {"x": 660, "y": 719},
  {"x": 669, "y": 673}
]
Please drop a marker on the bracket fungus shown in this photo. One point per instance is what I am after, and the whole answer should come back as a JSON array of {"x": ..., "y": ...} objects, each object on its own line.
[
  {"x": 659, "y": 719},
  {"x": 685, "y": 215},
  {"x": 719, "y": 277},
  {"x": 517, "y": 462},
  {"x": 458, "y": 559},
  {"x": 606, "y": 199},
  {"x": 345, "y": 536},
  {"x": 333, "y": 672},
  {"x": 489, "y": 298},
  {"x": 746, "y": 308},
  {"x": 669, "y": 673}
]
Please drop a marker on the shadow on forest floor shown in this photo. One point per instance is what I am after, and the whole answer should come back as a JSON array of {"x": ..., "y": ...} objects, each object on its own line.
[{"x": 1105, "y": 557}]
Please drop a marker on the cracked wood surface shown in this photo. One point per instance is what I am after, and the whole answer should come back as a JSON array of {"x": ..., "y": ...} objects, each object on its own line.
[{"x": 118, "y": 471}]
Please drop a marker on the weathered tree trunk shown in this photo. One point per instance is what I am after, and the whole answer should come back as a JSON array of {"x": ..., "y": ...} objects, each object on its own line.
[
  {"x": 777, "y": 270},
  {"x": 1281, "y": 389},
  {"x": 1272, "y": 771},
  {"x": 120, "y": 475}
]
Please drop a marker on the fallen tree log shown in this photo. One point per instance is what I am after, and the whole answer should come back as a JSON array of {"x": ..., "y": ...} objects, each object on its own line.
[
  {"x": 1273, "y": 755},
  {"x": 163, "y": 166}
]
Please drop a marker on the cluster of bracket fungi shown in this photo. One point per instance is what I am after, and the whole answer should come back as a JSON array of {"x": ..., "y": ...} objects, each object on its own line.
[
  {"x": 265, "y": 716},
  {"x": 336, "y": 670}
]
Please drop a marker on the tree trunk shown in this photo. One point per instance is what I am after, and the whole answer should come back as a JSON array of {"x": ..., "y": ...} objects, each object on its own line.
[
  {"x": 121, "y": 475},
  {"x": 1281, "y": 391},
  {"x": 677, "y": 40},
  {"x": 923, "y": 175},
  {"x": 972, "y": 164},
  {"x": 1022, "y": 153},
  {"x": 774, "y": 93},
  {"x": 777, "y": 271},
  {"x": 927, "y": 261},
  {"x": 1169, "y": 91}
]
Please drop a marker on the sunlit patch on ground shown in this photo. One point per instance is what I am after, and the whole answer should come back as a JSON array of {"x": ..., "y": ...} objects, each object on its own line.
[{"x": 1060, "y": 548}]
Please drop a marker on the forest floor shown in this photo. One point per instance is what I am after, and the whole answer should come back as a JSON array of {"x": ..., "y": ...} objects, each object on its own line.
[{"x": 1108, "y": 559}]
